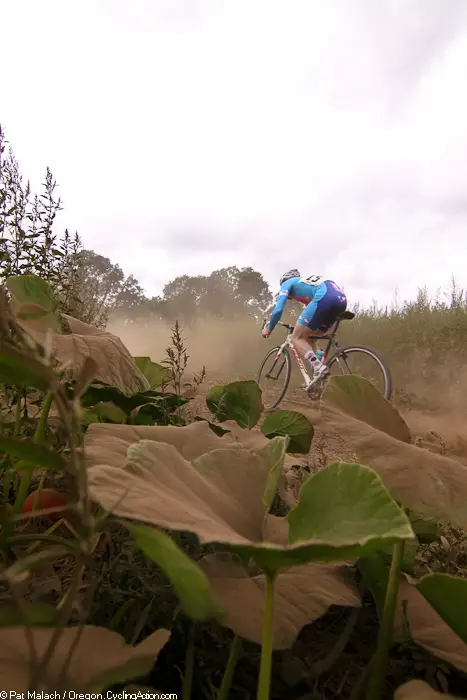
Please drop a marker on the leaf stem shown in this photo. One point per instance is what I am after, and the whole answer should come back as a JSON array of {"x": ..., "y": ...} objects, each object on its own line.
[
  {"x": 230, "y": 668},
  {"x": 38, "y": 438},
  {"x": 189, "y": 665},
  {"x": 380, "y": 660},
  {"x": 42, "y": 424},
  {"x": 264, "y": 680},
  {"x": 19, "y": 397}
]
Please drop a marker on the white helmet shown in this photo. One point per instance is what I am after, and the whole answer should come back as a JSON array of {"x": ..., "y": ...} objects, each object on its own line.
[{"x": 288, "y": 275}]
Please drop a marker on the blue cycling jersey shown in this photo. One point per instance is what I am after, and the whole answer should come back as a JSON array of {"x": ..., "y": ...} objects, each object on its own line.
[{"x": 303, "y": 289}]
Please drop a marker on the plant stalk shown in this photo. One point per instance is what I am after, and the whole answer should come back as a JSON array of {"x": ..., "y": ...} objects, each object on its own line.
[
  {"x": 264, "y": 681},
  {"x": 19, "y": 397},
  {"x": 380, "y": 659},
  {"x": 42, "y": 424},
  {"x": 39, "y": 436},
  {"x": 230, "y": 668},
  {"x": 189, "y": 665}
]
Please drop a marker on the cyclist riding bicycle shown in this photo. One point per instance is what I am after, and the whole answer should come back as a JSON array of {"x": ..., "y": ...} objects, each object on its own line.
[{"x": 323, "y": 301}]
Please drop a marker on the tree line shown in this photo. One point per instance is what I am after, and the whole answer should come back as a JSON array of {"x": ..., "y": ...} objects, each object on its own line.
[{"x": 88, "y": 285}]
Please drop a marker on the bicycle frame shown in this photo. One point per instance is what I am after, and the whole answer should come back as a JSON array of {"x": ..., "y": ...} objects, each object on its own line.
[
  {"x": 288, "y": 343},
  {"x": 330, "y": 337}
]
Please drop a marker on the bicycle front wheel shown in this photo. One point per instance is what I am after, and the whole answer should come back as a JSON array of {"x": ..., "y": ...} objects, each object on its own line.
[
  {"x": 364, "y": 362},
  {"x": 275, "y": 366}
]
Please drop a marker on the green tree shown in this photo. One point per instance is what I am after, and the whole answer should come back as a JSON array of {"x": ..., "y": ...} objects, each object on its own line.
[
  {"x": 224, "y": 293},
  {"x": 103, "y": 289}
]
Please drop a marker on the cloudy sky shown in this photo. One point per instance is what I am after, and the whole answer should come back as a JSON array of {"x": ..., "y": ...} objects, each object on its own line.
[{"x": 187, "y": 135}]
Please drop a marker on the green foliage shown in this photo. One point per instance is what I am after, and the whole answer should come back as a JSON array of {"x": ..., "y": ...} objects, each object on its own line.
[
  {"x": 293, "y": 424},
  {"x": 448, "y": 596},
  {"x": 143, "y": 408},
  {"x": 353, "y": 496},
  {"x": 14, "y": 371},
  {"x": 242, "y": 402},
  {"x": 238, "y": 401},
  {"x": 156, "y": 374},
  {"x": 31, "y": 289},
  {"x": 32, "y": 614},
  {"x": 31, "y": 454},
  {"x": 187, "y": 579}
]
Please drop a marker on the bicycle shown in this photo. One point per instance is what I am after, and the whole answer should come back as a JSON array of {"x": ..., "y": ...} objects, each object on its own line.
[{"x": 339, "y": 358}]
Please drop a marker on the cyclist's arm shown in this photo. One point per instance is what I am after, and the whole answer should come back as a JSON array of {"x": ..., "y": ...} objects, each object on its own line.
[{"x": 278, "y": 309}]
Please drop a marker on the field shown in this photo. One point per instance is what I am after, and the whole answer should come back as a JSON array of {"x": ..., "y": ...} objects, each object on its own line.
[{"x": 87, "y": 569}]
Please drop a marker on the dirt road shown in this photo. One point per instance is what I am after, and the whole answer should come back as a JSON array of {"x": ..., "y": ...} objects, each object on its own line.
[{"x": 436, "y": 432}]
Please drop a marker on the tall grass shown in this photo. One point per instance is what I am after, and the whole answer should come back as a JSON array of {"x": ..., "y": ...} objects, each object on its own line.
[{"x": 424, "y": 342}]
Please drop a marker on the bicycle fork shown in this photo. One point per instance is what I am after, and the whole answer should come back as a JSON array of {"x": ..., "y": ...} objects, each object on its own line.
[
  {"x": 298, "y": 359},
  {"x": 279, "y": 353}
]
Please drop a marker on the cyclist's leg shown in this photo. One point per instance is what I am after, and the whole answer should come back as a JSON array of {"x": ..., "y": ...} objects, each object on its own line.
[
  {"x": 315, "y": 320},
  {"x": 303, "y": 338}
]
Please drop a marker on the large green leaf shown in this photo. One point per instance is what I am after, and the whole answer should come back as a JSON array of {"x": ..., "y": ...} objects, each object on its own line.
[
  {"x": 156, "y": 374},
  {"x": 188, "y": 580},
  {"x": 346, "y": 505},
  {"x": 31, "y": 453},
  {"x": 448, "y": 596},
  {"x": 108, "y": 411},
  {"x": 113, "y": 661},
  {"x": 32, "y": 614},
  {"x": 293, "y": 424},
  {"x": 356, "y": 397},
  {"x": 220, "y": 497},
  {"x": 426, "y": 529},
  {"x": 275, "y": 452},
  {"x": 33, "y": 290},
  {"x": 301, "y": 595},
  {"x": 17, "y": 368},
  {"x": 430, "y": 485},
  {"x": 238, "y": 401}
]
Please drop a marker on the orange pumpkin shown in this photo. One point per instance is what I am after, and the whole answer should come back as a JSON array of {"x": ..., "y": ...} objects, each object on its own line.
[{"x": 46, "y": 498}]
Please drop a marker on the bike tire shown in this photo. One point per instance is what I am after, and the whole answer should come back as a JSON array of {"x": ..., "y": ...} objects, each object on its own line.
[
  {"x": 288, "y": 370},
  {"x": 372, "y": 353}
]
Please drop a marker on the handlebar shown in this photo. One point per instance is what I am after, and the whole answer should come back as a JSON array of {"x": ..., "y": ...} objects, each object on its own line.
[
  {"x": 279, "y": 323},
  {"x": 286, "y": 325}
]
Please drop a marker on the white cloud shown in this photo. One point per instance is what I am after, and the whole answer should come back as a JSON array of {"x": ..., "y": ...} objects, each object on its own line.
[{"x": 189, "y": 135}]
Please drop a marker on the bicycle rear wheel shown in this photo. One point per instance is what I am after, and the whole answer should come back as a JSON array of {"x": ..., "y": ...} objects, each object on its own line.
[
  {"x": 366, "y": 363},
  {"x": 278, "y": 362}
]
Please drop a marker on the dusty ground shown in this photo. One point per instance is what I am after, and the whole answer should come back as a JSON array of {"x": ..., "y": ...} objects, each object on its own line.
[
  {"x": 433, "y": 406},
  {"x": 440, "y": 432}
]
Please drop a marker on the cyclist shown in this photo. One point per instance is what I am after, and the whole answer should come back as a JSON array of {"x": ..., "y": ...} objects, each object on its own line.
[{"x": 323, "y": 301}]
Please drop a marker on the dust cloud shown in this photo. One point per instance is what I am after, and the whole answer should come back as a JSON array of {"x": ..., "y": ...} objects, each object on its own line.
[
  {"x": 229, "y": 348},
  {"x": 432, "y": 403}
]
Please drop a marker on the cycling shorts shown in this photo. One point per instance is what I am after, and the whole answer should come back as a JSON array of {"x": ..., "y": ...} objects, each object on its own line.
[{"x": 321, "y": 313}]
